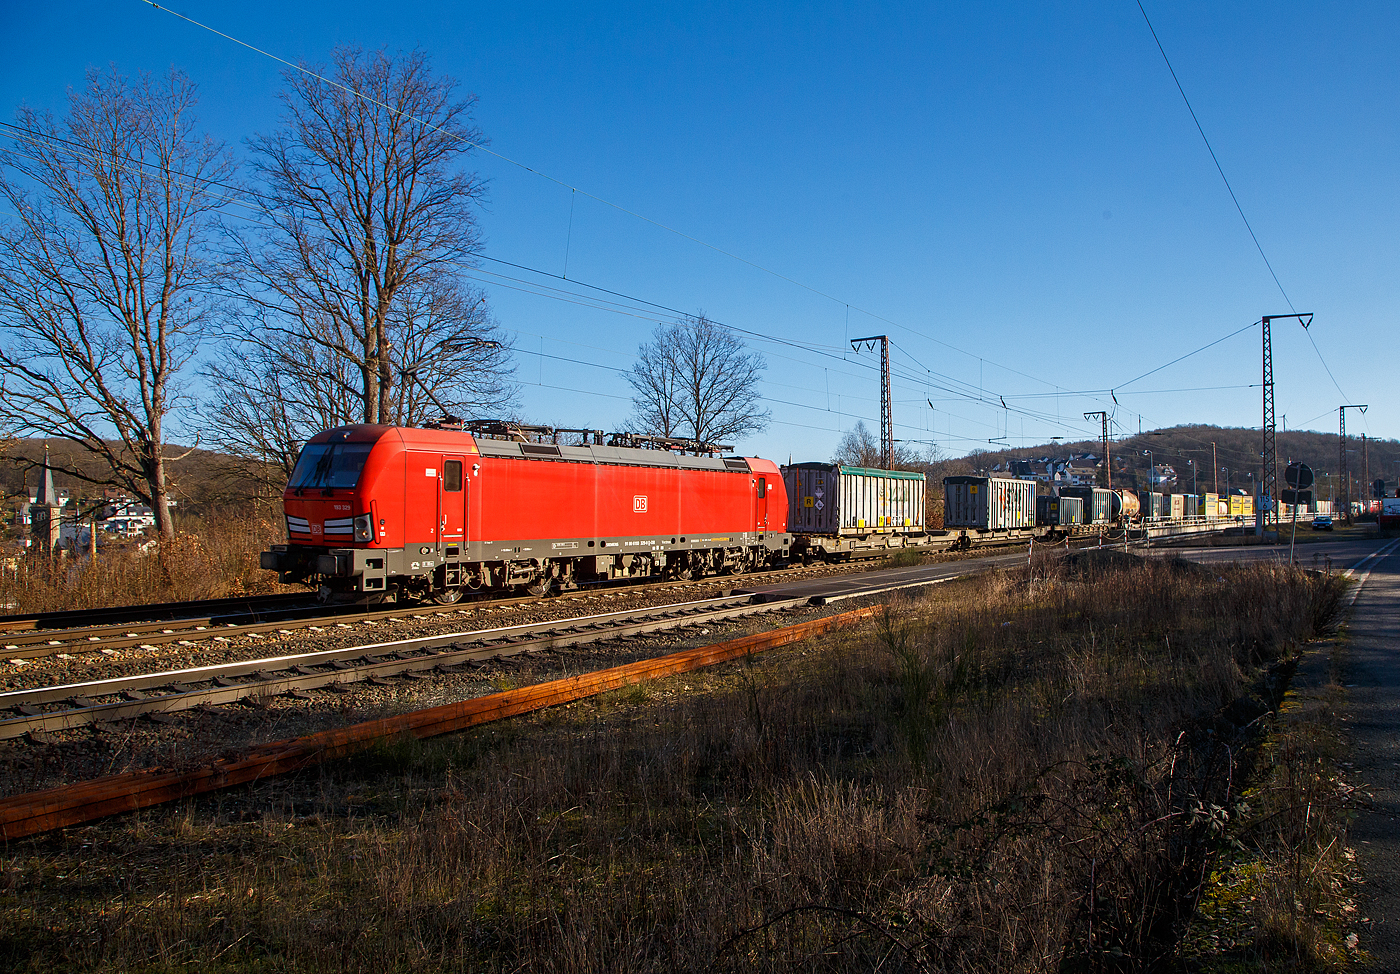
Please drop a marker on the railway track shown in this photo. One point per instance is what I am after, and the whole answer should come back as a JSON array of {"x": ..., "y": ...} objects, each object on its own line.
[
  {"x": 20, "y": 644},
  {"x": 38, "y": 622},
  {"x": 36, "y": 637},
  {"x": 42, "y": 711}
]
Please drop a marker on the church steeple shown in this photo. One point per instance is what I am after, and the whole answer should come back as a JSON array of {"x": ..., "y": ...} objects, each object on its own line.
[
  {"x": 46, "y": 513},
  {"x": 47, "y": 497}
]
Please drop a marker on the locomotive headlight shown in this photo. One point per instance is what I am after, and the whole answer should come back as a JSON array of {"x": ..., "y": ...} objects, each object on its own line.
[{"x": 364, "y": 528}]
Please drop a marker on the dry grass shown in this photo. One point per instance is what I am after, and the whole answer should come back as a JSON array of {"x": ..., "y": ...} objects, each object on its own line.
[
  {"x": 1282, "y": 898},
  {"x": 213, "y": 556},
  {"x": 997, "y": 778}
]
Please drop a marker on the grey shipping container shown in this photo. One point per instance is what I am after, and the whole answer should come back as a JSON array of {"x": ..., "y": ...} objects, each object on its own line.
[
  {"x": 1098, "y": 502},
  {"x": 831, "y": 499},
  {"x": 988, "y": 503},
  {"x": 1052, "y": 511},
  {"x": 1154, "y": 505}
]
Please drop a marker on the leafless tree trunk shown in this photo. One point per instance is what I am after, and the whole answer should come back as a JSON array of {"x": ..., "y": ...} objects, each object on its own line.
[
  {"x": 368, "y": 214},
  {"x": 104, "y": 274},
  {"x": 696, "y": 378}
]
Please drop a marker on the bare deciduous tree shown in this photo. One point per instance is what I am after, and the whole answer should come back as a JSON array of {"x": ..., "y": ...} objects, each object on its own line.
[
  {"x": 369, "y": 218},
  {"x": 858, "y": 447},
  {"x": 696, "y": 379},
  {"x": 104, "y": 274},
  {"x": 268, "y": 397}
]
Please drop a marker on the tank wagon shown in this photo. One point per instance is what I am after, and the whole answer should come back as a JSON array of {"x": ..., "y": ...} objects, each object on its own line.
[
  {"x": 836, "y": 512},
  {"x": 436, "y": 512}
]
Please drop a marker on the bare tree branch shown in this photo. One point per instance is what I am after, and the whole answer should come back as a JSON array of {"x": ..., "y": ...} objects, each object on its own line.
[
  {"x": 369, "y": 218},
  {"x": 104, "y": 274},
  {"x": 697, "y": 379}
]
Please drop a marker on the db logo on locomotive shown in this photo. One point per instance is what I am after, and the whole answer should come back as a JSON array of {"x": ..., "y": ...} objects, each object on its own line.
[{"x": 639, "y": 503}]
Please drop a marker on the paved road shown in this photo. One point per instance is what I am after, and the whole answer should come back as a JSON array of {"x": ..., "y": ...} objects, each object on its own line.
[{"x": 1373, "y": 675}]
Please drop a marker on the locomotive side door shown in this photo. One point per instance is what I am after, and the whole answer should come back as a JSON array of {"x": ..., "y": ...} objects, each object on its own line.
[
  {"x": 761, "y": 504},
  {"x": 452, "y": 504}
]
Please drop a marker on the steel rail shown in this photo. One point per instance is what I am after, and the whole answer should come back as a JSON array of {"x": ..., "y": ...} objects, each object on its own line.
[
  {"x": 31, "y": 814},
  {"x": 90, "y": 640},
  {"x": 82, "y": 618},
  {"x": 273, "y": 676}
]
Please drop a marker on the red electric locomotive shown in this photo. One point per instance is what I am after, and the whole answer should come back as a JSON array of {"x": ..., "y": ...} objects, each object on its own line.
[{"x": 374, "y": 510}]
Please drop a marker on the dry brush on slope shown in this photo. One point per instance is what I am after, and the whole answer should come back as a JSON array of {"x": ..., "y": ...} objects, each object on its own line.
[{"x": 1008, "y": 774}]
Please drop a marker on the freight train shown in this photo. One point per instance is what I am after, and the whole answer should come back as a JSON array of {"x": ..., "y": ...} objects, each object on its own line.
[{"x": 437, "y": 512}]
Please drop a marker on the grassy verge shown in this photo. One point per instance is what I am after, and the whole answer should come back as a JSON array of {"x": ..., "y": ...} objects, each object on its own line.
[
  {"x": 1281, "y": 895},
  {"x": 1011, "y": 774},
  {"x": 214, "y": 556}
]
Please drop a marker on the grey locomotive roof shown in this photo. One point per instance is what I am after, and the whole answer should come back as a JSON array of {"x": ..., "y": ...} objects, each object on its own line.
[{"x": 605, "y": 454}]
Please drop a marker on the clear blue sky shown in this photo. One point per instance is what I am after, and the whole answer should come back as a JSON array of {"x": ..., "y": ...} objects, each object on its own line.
[{"x": 1016, "y": 190}]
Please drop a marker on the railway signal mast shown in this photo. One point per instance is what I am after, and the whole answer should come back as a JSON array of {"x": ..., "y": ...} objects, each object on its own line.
[{"x": 886, "y": 416}]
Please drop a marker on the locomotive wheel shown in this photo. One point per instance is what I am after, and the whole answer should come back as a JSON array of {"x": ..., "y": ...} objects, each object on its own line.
[
  {"x": 447, "y": 596},
  {"x": 542, "y": 587}
]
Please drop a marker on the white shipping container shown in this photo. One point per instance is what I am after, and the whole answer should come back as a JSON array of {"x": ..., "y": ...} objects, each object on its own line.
[{"x": 831, "y": 499}]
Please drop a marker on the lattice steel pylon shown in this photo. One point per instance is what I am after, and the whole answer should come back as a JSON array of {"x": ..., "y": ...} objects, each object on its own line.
[
  {"x": 1342, "y": 457},
  {"x": 886, "y": 412},
  {"x": 1107, "y": 464},
  {"x": 1269, "y": 456}
]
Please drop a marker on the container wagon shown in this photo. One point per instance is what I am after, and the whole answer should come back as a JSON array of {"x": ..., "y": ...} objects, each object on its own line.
[
  {"x": 1154, "y": 505},
  {"x": 1098, "y": 502},
  {"x": 1058, "y": 511},
  {"x": 1208, "y": 505},
  {"x": 836, "y": 511},
  {"x": 1176, "y": 506},
  {"x": 988, "y": 505}
]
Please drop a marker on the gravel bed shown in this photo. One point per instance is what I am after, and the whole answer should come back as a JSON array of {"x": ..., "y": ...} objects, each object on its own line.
[
  {"x": 188, "y": 738},
  {"x": 212, "y": 646}
]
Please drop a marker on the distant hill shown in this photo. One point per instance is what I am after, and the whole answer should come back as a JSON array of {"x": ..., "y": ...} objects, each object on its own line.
[
  {"x": 1235, "y": 448},
  {"x": 202, "y": 480}
]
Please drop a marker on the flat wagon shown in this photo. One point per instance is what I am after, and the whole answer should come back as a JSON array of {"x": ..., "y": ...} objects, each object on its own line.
[{"x": 842, "y": 511}]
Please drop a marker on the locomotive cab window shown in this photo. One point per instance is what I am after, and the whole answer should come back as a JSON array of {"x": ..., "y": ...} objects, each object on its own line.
[
  {"x": 762, "y": 487},
  {"x": 330, "y": 465},
  {"x": 452, "y": 475}
]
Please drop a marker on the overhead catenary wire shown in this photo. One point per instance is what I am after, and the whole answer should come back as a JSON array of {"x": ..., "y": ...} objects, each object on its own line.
[
  {"x": 303, "y": 69},
  {"x": 1235, "y": 199},
  {"x": 949, "y": 384}
]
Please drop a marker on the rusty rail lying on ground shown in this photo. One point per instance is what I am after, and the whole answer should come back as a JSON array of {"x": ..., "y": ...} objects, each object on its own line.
[{"x": 24, "y": 815}]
